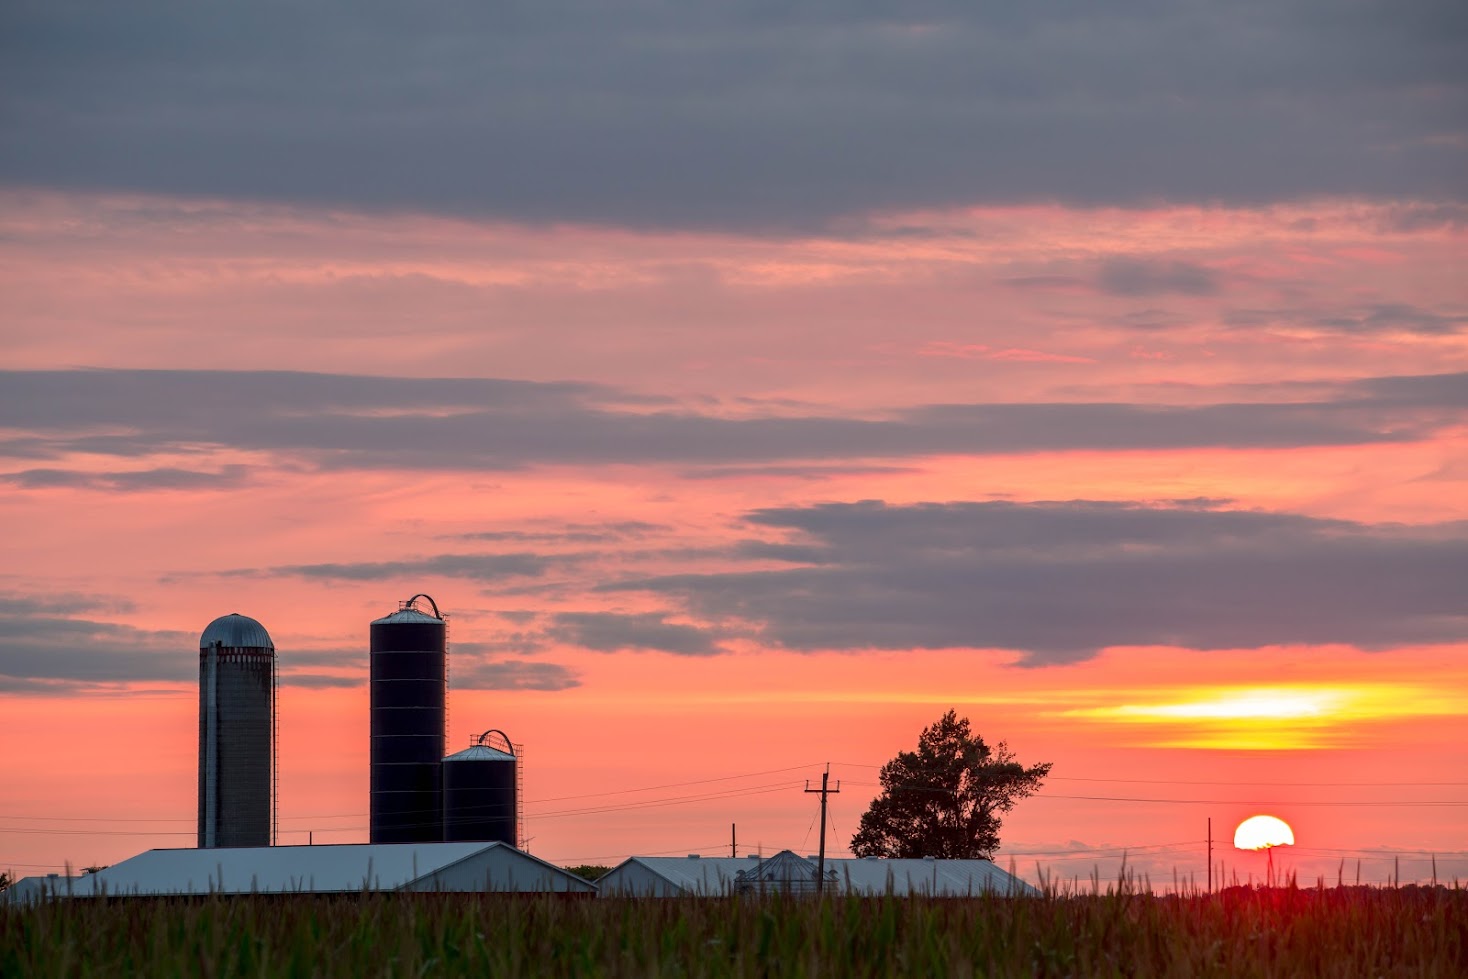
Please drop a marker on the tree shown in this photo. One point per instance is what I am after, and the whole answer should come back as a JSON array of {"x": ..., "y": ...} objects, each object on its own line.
[
  {"x": 590, "y": 871},
  {"x": 945, "y": 800},
  {"x": 5, "y": 881}
]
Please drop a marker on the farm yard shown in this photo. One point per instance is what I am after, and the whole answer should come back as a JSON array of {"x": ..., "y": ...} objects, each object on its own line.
[{"x": 1117, "y": 930}]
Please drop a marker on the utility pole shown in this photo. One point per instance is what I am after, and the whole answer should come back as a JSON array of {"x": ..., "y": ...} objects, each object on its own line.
[
  {"x": 1210, "y": 854},
  {"x": 733, "y": 841},
  {"x": 824, "y": 790}
]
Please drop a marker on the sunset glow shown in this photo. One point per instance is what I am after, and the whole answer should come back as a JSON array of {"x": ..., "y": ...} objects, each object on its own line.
[
  {"x": 1275, "y": 718},
  {"x": 1247, "y": 705},
  {"x": 750, "y": 389}
]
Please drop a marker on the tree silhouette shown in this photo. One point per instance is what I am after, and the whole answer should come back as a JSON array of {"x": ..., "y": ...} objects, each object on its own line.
[
  {"x": 946, "y": 799},
  {"x": 590, "y": 871}
]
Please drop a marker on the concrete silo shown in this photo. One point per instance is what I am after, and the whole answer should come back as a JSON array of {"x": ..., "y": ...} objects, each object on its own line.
[
  {"x": 481, "y": 792},
  {"x": 409, "y": 674},
  {"x": 236, "y": 733}
]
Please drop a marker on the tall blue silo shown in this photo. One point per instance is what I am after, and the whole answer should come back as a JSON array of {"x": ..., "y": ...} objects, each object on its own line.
[{"x": 408, "y": 686}]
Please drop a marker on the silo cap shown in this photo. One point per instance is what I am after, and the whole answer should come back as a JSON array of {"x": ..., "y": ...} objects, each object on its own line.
[
  {"x": 236, "y": 631},
  {"x": 407, "y": 615},
  {"x": 480, "y": 752}
]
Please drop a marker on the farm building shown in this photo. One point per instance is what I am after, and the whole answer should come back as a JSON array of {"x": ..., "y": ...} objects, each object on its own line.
[
  {"x": 29, "y": 890},
  {"x": 673, "y": 876},
  {"x": 334, "y": 869},
  {"x": 871, "y": 876},
  {"x": 787, "y": 871}
]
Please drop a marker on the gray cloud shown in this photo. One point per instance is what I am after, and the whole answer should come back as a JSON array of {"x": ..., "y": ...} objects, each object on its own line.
[
  {"x": 320, "y": 681},
  {"x": 62, "y": 603},
  {"x": 475, "y": 567},
  {"x": 140, "y": 480},
  {"x": 1150, "y": 277},
  {"x": 146, "y": 399},
  {"x": 1044, "y": 282},
  {"x": 805, "y": 473},
  {"x": 568, "y": 534},
  {"x": 734, "y": 113},
  {"x": 1410, "y": 218},
  {"x": 522, "y": 642},
  {"x": 1060, "y": 581},
  {"x": 45, "y": 648},
  {"x": 339, "y": 422},
  {"x": 615, "y": 631},
  {"x": 514, "y": 674},
  {"x": 1394, "y": 317}
]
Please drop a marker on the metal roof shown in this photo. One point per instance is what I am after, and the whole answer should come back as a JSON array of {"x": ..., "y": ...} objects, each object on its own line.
[
  {"x": 236, "y": 631},
  {"x": 936, "y": 878},
  {"x": 704, "y": 876},
  {"x": 336, "y": 868},
  {"x": 480, "y": 752},
  {"x": 407, "y": 615},
  {"x": 33, "y": 890},
  {"x": 784, "y": 871},
  {"x": 715, "y": 876}
]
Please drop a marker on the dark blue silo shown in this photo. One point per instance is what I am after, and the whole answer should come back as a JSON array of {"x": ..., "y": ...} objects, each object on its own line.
[
  {"x": 480, "y": 788},
  {"x": 408, "y": 685},
  {"x": 236, "y": 733}
]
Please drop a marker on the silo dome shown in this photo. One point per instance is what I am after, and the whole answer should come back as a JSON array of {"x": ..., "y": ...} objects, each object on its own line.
[
  {"x": 407, "y": 616},
  {"x": 236, "y": 733},
  {"x": 481, "y": 752},
  {"x": 236, "y": 631}
]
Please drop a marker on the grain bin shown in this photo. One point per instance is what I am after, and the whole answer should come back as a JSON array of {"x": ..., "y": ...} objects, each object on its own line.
[
  {"x": 481, "y": 791},
  {"x": 236, "y": 733}
]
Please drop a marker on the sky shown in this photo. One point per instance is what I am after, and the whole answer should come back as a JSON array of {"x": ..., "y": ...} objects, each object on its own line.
[{"x": 751, "y": 385}]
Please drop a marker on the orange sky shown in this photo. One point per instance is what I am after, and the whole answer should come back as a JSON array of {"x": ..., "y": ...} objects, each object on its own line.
[{"x": 130, "y": 524}]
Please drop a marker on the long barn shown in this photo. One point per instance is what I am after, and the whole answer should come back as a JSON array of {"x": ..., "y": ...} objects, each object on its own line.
[
  {"x": 789, "y": 872},
  {"x": 331, "y": 869}
]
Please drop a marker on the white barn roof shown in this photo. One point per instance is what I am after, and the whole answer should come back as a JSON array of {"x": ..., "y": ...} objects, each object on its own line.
[
  {"x": 337, "y": 868},
  {"x": 934, "y": 878},
  {"x": 716, "y": 876},
  {"x": 30, "y": 890},
  {"x": 674, "y": 876}
]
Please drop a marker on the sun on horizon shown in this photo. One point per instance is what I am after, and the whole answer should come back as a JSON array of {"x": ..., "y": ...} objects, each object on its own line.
[{"x": 1263, "y": 833}]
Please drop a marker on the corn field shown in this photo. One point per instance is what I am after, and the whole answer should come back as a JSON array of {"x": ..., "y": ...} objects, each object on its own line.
[{"x": 1348, "y": 931}]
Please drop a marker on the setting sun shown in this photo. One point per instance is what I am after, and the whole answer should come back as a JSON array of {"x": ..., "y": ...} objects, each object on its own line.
[{"x": 1263, "y": 832}]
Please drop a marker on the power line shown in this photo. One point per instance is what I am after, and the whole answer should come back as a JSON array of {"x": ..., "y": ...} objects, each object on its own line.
[
  {"x": 104, "y": 819},
  {"x": 358, "y": 815},
  {"x": 95, "y": 832},
  {"x": 1385, "y": 853},
  {"x": 1175, "y": 781},
  {"x": 1094, "y": 851},
  {"x": 791, "y": 768},
  {"x": 647, "y": 853},
  {"x": 918, "y": 787},
  {"x": 656, "y": 803},
  {"x": 672, "y": 785},
  {"x": 557, "y": 814},
  {"x": 1255, "y": 802}
]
